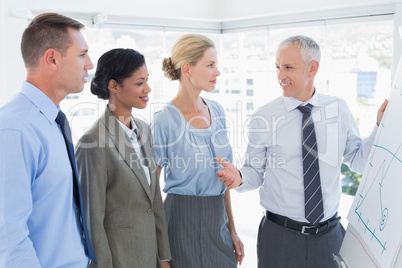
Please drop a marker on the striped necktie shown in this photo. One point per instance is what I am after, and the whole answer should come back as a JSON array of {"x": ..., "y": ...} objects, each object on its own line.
[{"x": 314, "y": 209}]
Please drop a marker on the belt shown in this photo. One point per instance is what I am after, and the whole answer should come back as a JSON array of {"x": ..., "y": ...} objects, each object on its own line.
[{"x": 303, "y": 228}]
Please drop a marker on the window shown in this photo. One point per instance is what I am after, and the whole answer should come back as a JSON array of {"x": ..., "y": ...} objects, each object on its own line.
[
  {"x": 359, "y": 67},
  {"x": 250, "y": 87}
]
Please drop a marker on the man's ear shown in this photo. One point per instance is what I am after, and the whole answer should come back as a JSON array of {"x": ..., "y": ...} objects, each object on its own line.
[
  {"x": 51, "y": 58},
  {"x": 185, "y": 69},
  {"x": 113, "y": 86},
  {"x": 313, "y": 68}
]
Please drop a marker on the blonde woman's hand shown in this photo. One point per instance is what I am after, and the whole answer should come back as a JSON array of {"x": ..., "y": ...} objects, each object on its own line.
[{"x": 238, "y": 247}]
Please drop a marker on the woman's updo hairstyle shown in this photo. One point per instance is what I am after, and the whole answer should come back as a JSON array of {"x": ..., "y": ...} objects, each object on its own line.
[
  {"x": 188, "y": 48},
  {"x": 116, "y": 64}
]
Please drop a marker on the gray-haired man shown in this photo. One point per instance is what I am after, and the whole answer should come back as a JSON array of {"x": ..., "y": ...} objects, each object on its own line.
[{"x": 309, "y": 135}]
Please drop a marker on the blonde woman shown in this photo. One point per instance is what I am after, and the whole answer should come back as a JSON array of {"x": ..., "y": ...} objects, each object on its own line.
[{"x": 188, "y": 133}]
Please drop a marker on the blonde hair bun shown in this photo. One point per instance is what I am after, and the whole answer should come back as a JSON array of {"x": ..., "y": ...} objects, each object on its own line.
[
  {"x": 188, "y": 48},
  {"x": 168, "y": 69}
]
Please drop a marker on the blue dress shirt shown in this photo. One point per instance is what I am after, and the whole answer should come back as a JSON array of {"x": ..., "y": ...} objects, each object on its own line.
[
  {"x": 188, "y": 154},
  {"x": 38, "y": 220},
  {"x": 274, "y": 162}
]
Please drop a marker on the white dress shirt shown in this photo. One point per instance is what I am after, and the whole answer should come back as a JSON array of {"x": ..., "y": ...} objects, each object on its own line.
[
  {"x": 132, "y": 134},
  {"x": 274, "y": 154}
]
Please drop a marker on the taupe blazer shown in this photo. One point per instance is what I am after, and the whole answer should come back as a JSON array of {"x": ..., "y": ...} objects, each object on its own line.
[{"x": 125, "y": 214}]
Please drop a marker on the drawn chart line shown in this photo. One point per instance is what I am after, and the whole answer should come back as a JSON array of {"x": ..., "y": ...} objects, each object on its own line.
[
  {"x": 365, "y": 225},
  {"x": 382, "y": 177},
  {"x": 381, "y": 147},
  {"x": 381, "y": 167}
]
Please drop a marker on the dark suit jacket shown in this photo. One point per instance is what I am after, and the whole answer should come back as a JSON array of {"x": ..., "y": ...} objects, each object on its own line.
[{"x": 125, "y": 214}]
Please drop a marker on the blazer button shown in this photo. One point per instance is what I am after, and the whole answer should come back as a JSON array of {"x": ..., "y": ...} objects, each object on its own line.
[{"x": 149, "y": 211}]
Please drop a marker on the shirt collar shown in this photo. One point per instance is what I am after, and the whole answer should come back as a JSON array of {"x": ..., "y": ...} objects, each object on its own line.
[
  {"x": 130, "y": 132},
  {"x": 292, "y": 103},
  {"x": 45, "y": 105}
]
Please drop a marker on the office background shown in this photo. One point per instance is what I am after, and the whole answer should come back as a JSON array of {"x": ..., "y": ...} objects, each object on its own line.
[{"x": 360, "y": 44}]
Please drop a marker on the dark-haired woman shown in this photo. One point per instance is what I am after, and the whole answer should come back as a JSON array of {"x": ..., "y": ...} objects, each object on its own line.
[{"x": 116, "y": 165}]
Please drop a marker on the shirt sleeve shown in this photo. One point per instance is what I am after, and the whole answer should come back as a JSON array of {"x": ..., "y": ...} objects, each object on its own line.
[
  {"x": 220, "y": 144},
  {"x": 253, "y": 170},
  {"x": 159, "y": 129},
  {"x": 18, "y": 166},
  {"x": 357, "y": 151}
]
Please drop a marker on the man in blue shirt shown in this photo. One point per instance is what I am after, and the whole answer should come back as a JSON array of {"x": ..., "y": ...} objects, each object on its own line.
[{"x": 39, "y": 221}]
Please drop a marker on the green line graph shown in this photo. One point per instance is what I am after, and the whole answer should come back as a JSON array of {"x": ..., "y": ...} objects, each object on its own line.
[
  {"x": 378, "y": 181},
  {"x": 375, "y": 211}
]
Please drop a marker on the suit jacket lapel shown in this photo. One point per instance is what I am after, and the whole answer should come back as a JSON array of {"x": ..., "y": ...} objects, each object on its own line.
[
  {"x": 145, "y": 137},
  {"x": 125, "y": 148}
]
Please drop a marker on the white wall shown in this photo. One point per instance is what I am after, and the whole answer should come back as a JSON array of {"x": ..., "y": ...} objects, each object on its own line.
[
  {"x": 11, "y": 36},
  {"x": 217, "y": 10},
  {"x": 183, "y": 9},
  {"x": 236, "y": 9}
]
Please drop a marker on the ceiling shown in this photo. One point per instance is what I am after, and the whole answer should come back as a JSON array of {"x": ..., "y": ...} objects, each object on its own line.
[{"x": 209, "y": 10}]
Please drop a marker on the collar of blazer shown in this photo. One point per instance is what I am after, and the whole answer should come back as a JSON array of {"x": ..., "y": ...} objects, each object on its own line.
[{"x": 125, "y": 148}]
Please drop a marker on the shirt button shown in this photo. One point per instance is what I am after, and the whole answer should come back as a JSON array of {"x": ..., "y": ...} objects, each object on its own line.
[{"x": 149, "y": 211}]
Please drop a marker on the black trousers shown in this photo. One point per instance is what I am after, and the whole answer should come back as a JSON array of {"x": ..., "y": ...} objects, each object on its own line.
[{"x": 280, "y": 247}]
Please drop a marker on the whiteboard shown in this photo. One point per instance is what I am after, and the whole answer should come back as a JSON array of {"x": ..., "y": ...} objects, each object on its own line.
[{"x": 374, "y": 234}]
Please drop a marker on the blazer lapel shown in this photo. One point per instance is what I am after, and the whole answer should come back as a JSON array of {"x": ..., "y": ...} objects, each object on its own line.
[
  {"x": 125, "y": 148},
  {"x": 145, "y": 137}
]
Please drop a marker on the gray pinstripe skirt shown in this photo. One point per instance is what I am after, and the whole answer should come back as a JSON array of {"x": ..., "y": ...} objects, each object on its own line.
[{"x": 198, "y": 232}]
